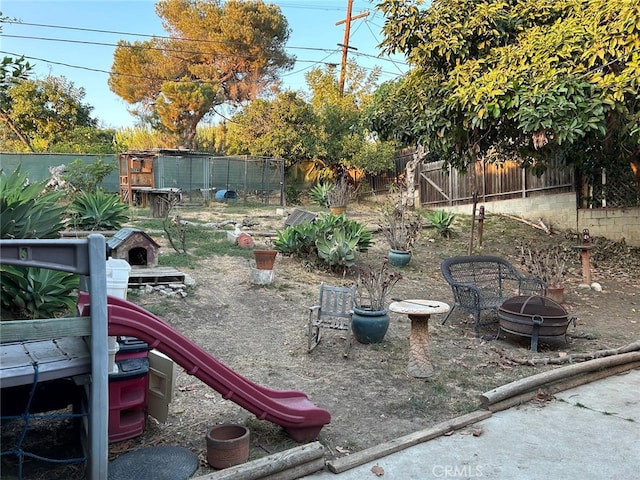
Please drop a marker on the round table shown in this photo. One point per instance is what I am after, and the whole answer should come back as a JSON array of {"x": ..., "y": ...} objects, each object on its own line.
[{"x": 419, "y": 312}]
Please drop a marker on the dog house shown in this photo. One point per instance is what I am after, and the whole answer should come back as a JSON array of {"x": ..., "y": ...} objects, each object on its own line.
[{"x": 134, "y": 246}]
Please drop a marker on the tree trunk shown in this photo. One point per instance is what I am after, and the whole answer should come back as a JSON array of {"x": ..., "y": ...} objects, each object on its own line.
[
  {"x": 23, "y": 138},
  {"x": 410, "y": 169}
]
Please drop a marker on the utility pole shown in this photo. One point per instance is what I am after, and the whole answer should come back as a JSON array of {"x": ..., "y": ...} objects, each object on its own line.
[{"x": 345, "y": 45}]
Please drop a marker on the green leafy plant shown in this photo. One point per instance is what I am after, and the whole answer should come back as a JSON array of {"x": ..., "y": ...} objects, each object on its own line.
[
  {"x": 98, "y": 211},
  {"x": 338, "y": 250},
  {"x": 442, "y": 221},
  {"x": 296, "y": 240},
  {"x": 36, "y": 292},
  {"x": 87, "y": 177},
  {"x": 320, "y": 192},
  {"x": 26, "y": 210},
  {"x": 303, "y": 240}
]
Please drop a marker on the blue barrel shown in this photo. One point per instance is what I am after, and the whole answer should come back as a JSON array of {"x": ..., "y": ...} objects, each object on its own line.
[{"x": 226, "y": 195}]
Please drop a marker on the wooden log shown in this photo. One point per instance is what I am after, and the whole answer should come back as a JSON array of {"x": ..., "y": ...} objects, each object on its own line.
[
  {"x": 273, "y": 464},
  {"x": 530, "y": 383},
  {"x": 526, "y": 222},
  {"x": 359, "y": 458},
  {"x": 562, "y": 385},
  {"x": 298, "y": 471},
  {"x": 572, "y": 358}
]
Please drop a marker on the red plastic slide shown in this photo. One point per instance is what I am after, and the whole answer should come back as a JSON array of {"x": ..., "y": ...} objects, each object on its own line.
[{"x": 291, "y": 409}]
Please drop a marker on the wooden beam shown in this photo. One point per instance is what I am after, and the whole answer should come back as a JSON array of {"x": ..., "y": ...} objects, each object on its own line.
[
  {"x": 45, "y": 329},
  {"x": 342, "y": 464},
  {"x": 531, "y": 383},
  {"x": 290, "y": 464},
  {"x": 561, "y": 385}
]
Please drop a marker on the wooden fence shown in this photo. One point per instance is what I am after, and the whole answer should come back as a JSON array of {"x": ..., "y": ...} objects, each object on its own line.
[{"x": 440, "y": 185}]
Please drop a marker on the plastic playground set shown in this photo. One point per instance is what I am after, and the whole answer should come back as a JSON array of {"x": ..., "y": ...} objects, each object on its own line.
[{"x": 102, "y": 316}]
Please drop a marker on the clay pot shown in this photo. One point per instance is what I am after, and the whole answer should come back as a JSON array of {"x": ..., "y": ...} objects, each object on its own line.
[
  {"x": 245, "y": 241},
  {"x": 556, "y": 294},
  {"x": 227, "y": 445},
  {"x": 265, "y": 259}
]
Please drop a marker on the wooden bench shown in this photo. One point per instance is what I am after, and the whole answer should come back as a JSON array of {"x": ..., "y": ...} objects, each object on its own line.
[{"x": 483, "y": 282}]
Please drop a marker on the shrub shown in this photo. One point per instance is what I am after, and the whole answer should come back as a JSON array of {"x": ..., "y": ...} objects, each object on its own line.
[
  {"x": 26, "y": 211},
  {"x": 442, "y": 221},
  {"x": 36, "y": 292},
  {"x": 98, "y": 211},
  {"x": 87, "y": 177},
  {"x": 331, "y": 239},
  {"x": 320, "y": 193}
]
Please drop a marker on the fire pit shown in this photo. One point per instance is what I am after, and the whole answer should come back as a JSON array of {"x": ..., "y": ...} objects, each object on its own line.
[{"x": 534, "y": 317}]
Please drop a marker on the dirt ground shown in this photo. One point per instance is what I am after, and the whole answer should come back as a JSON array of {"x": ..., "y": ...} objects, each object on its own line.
[{"x": 260, "y": 332}]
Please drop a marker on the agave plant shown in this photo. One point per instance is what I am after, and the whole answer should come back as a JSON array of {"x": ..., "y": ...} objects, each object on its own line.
[
  {"x": 320, "y": 193},
  {"x": 36, "y": 292},
  {"x": 442, "y": 221},
  {"x": 337, "y": 249},
  {"x": 26, "y": 210},
  {"x": 311, "y": 239},
  {"x": 98, "y": 211}
]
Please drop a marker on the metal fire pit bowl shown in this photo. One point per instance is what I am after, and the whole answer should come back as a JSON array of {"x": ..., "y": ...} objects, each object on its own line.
[{"x": 534, "y": 317}]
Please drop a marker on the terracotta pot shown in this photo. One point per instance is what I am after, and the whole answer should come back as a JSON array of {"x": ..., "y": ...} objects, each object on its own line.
[
  {"x": 245, "y": 241},
  {"x": 556, "y": 294},
  {"x": 227, "y": 445},
  {"x": 265, "y": 259}
]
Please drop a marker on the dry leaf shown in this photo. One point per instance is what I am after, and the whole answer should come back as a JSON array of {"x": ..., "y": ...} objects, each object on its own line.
[
  {"x": 378, "y": 470},
  {"x": 342, "y": 450},
  {"x": 448, "y": 434}
]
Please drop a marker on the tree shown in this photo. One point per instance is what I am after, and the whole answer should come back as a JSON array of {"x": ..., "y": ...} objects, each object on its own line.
[
  {"x": 344, "y": 140},
  {"x": 217, "y": 52},
  {"x": 284, "y": 127},
  {"x": 44, "y": 112},
  {"x": 535, "y": 78},
  {"x": 12, "y": 71}
]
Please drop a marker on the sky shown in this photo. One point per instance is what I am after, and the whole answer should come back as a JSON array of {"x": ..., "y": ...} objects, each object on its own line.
[{"x": 76, "y": 39}]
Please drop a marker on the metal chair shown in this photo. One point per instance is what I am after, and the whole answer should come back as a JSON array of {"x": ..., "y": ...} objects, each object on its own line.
[
  {"x": 483, "y": 282},
  {"x": 333, "y": 310}
]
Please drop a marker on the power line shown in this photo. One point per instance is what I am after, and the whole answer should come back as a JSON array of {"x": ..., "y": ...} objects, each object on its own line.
[
  {"x": 86, "y": 42},
  {"x": 110, "y": 72},
  {"x": 161, "y": 49}
]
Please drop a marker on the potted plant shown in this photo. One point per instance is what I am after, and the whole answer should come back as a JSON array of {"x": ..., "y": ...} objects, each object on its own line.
[
  {"x": 401, "y": 229},
  {"x": 339, "y": 196},
  {"x": 370, "y": 319},
  {"x": 549, "y": 264}
]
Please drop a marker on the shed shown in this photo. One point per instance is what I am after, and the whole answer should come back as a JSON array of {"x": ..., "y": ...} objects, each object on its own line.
[{"x": 134, "y": 246}]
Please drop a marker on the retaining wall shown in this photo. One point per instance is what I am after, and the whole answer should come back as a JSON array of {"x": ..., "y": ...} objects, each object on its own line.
[{"x": 559, "y": 211}]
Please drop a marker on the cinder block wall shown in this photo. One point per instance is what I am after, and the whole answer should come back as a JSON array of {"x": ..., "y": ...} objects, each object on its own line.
[
  {"x": 613, "y": 223},
  {"x": 559, "y": 211}
]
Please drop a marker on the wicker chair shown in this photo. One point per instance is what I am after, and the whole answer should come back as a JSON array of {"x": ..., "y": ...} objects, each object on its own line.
[
  {"x": 483, "y": 283},
  {"x": 334, "y": 310}
]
